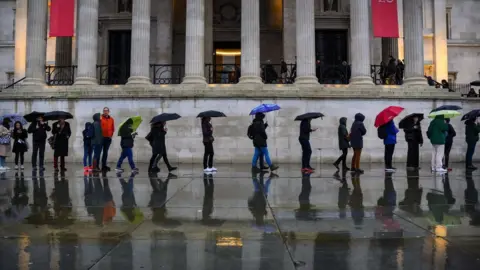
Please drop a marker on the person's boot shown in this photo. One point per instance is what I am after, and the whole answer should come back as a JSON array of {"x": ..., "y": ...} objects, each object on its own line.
[
  {"x": 336, "y": 166},
  {"x": 273, "y": 167},
  {"x": 171, "y": 168}
]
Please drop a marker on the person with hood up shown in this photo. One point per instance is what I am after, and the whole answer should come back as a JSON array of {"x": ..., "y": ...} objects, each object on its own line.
[
  {"x": 414, "y": 138},
  {"x": 304, "y": 139},
  {"x": 343, "y": 144},
  {"x": 207, "y": 132},
  {"x": 88, "y": 135},
  {"x": 448, "y": 144},
  {"x": 472, "y": 129},
  {"x": 39, "y": 131},
  {"x": 62, "y": 132},
  {"x": 126, "y": 143},
  {"x": 357, "y": 131},
  {"x": 19, "y": 135},
  {"x": 260, "y": 142},
  {"x": 156, "y": 137},
  {"x": 261, "y": 158},
  {"x": 437, "y": 134},
  {"x": 97, "y": 141},
  {"x": 5, "y": 143},
  {"x": 389, "y": 141}
]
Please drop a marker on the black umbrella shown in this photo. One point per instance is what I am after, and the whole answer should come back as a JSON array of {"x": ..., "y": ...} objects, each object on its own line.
[
  {"x": 409, "y": 119},
  {"x": 471, "y": 115},
  {"x": 32, "y": 117},
  {"x": 211, "y": 114},
  {"x": 164, "y": 117},
  {"x": 447, "y": 108},
  {"x": 310, "y": 115},
  {"x": 475, "y": 83},
  {"x": 55, "y": 115}
]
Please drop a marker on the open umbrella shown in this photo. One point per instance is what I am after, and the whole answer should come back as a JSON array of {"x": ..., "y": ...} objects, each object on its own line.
[
  {"x": 409, "y": 119},
  {"x": 446, "y": 114},
  {"x": 211, "y": 114},
  {"x": 164, "y": 117},
  {"x": 14, "y": 118},
  {"x": 447, "y": 108},
  {"x": 387, "y": 114},
  {"x": 32, "y": 117},
  {"x": 471, "y": 115},
  {"x": 134, "y": 121},
  {"x": 55, "y": 115},
  {"x": 475, "y": 83},
  {"x": 310, "y": 115},
  {"x": 263, "y": 108}
]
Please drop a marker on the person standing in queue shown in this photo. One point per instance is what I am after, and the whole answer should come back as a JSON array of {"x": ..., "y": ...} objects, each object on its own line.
[
  {"x": 437, "y": 133},
  {"x": 343, "y": 144},
  {"x": 414, "y": 138},
  {"x": 39, "y": 130},
  {"x": 472, "y": 129},
  {"x": 61, "y": 131},
  {"x": 304, "y": 139},
  {"x": 448, "y": 144},
  {"x": 357, "y": 131},
  {"x": 260, "y": 142},
  {"x": 97, "y": 142},
  {"x": 5, "y": 143},
  {"x": 19, "y": 135},
  {"x": 108, "y": 128},
  {"x": 159, "y": 149},
  {"x": 389, "y": 141},
  {"x": 207, "y": 132}
]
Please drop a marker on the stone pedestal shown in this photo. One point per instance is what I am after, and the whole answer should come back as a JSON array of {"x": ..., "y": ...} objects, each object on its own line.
[
  {"x": 305, "y": 26},
  {"x": 140, "y": 58},
  {"x": 250, "y": 64},
  {"x": 413, "y": 31},
  {"x": 194, "y": 43}
]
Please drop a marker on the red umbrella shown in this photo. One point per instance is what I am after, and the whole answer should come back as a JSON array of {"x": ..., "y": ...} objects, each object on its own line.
[{"x": 387, "y": 114}]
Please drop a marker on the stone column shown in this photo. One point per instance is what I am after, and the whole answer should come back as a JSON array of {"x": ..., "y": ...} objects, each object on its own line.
[
  {"x": 389, "y": 48},
  {"x": 20, "y": 38},
  {"x": 250, "y": 60},
  {"x": 413, "y": 31},
  {"x": 194, "y": 43},
  {"x": 440, "y": 37},
  {"x": 360, "y": 43},
  {"x": 289, "y": 31},
  {"x": 36, "y": 42},
  {"x": 305, "y": 24},
  {"x": 163, "y": 45},
  {"x": 63, "y": 51},
  {"x": 209, "y": 31},
  {"x": 87, "y": 42},
  {"x": 140, "y": 53}
]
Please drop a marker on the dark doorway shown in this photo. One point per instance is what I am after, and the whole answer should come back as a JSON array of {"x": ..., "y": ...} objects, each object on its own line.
[
  {"x": 331, "y": 50},
  {"x": 119, "y": 50}
]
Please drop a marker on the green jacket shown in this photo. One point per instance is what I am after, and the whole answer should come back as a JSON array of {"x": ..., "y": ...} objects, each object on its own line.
[
  {"x": 437, "y": 130},
  {"x": 471, "y": 131}
]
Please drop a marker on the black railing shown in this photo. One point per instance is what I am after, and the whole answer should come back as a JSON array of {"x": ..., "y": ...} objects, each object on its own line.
[
  {"x": 60, "y": 75},
  {"x": 112, "y": 74},
  {"x": 276, "y": 74},
  {"x": 462, "y": 88},
  {"x": 222, "y": 74},
  {"x": 13, "y": 84},
  {"x": 333, "y": 74},
  {"x": 167, "y": 74},
  {"x": 381, "y": 75}
]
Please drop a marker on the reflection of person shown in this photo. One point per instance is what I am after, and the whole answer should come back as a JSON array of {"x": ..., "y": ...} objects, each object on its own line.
[
  {"x": 257, "y": 203},
  {"x": 356, "y": 201}
]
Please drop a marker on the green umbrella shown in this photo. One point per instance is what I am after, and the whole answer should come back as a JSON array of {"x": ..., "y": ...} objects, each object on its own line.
[
  {"x": 445, "y": 113},
  {"x": 134, "y": 121}
]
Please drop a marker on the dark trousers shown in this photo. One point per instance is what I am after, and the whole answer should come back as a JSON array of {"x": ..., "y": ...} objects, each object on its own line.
[
  {"x": 413, "y": 152},
  {"x": 87, "y": 154},
  {"x": 156, "y": 158},
  {"x": 446, "y": 155},
  {"x": 17, "y": 156},
  {"x": 388, "y": 157},
  {"x": 470, "y": 152},
  {"x": 62, "y": 162},
  {"x": 343, "y": 158},
  {"x": 208, "y": 155},
  {"x": 357, "y": 153},
  {"x": 97, "y": 150},
  {"x": 105, "y": 147},
  {"x": 306, "y": 153},
  {"x": 38, "y": 150}
]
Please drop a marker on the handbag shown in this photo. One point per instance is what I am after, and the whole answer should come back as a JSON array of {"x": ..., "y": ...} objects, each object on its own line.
[
  {"x": 51, "y": 141},
  {"x": 6, "y": 139}
]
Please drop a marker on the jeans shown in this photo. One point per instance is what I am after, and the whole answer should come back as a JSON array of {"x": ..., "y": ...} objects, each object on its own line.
[
  {"x": 38, "y": 150},
  {"x": 87, "y": 154},
  {"x": 258, "y": 151},
  {"x": 97, "y": 150},
  {"x": 208, "y": 155},
  {"x": 437, "y": 156},
  {"x": 413, "y": 158},
  {"x": 2, "y": 161},
  {"x": 470, "y": 152},
  {"x": 446, "y": 156},
  {"x": 388, "y": 157},
  {"x": 19, "y": 155},
  {"x": 126, "y": 153},
  {"x": 105, "y": 146},
  {"x": 306, "y": 153},
  {"x": 343, "y": 158},
  {"x": 260, "y": 159},
  {"x": 357, "y": 153}
]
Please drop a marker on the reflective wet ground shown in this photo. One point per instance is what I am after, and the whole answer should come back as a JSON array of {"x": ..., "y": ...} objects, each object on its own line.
[{"x": 239, "y": 220}]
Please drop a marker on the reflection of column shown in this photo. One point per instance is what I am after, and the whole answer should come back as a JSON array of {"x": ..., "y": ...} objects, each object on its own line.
[
  {"x": 195, "y": 251},
  {"x": 289, "y": 31},
  {"x": 140, "y": 59},
  {"x": 63, "y": 51},
  {"x": 389, "y": 48},
  {"x": 440, "y": 36},
  {"x": 208, "y": 31},
  {"x": 359, "y": 250},
  {"x": 305, "y": 26},
  {"x": 20, "y": 38},
  {"x": 251, "y": 250},
  {"x": 194, "y": 42},
  {"x": 250, "y": 67},
  {"x": 414, "y": 55},
  {"x": 36, "y": 42}
]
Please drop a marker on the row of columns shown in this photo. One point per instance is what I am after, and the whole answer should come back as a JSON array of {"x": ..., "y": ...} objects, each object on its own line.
[{"x": 195, "y": 41}]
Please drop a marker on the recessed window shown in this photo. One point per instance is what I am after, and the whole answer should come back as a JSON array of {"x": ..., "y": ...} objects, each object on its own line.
[
  {"x": 331, "y": 5},
  {"x": 124, "y": 6}
]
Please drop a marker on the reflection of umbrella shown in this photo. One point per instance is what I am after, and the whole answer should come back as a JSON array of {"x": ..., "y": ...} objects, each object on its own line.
[
  {"x": 14, "y": 118},
  {"x": 32, "y": 117},
  {"x": 134, "y": 121},
  {"x": 164, "y": 117},
  {"x": 409, "y": 118},
  {"x": 211, "y": 114},
  {"x": 310, "y": 115},
  {"x": 387, "y": 115},
  {"x": 55, "y": 115},
  {"x": 475, "y": 83},
  {"x": 136, "y": 218},
  {"x": 263, "y": 108},
  {"x": 447, "y": 108},
  {"x": 471, "y": 115},
  {"x": 446, "y": 114}
]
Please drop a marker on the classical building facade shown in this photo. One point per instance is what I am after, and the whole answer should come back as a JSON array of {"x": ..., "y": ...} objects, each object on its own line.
[{"x": 162, "y": 39}]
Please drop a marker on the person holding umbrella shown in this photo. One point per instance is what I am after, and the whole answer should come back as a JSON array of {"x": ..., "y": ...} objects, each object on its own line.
[
  {"x": 156, "y": 137},
  {"x": 207, "y": 132},
  {"x": 304, "y": 138},
  {"x": 38, "y": 128},
  {"x": 387, "y": 131},
  {"x": 437, "y": 134},
  {"x": 413, "y": 135},
  {"x": 5, "y": 140},
  {"x": 20, "y": 146},
  {"x": 260, "y": 142},
  {"x": 61, "y": 132},
  {"x": 127, "y": 132},
  {"x": 472, "y": 129}
]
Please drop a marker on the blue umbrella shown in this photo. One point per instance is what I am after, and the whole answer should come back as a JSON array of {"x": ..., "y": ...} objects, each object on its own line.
[
  {"x": 14, "y": 118},
  {"x": 264, "y": 108}
]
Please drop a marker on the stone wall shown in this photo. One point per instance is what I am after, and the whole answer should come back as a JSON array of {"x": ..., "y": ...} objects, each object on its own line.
[{"x": 184, "y": 140}]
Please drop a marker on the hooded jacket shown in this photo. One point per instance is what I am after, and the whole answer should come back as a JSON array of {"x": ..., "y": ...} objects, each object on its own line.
[
  {"x": 392, "y": 131},
  {"x": 437, "y": 130},
  {"x": 127, "y": 137},
  {"x": 259, "y": 134},
  {"x": 97, "y": 126},
  {"x": 343, "y": 134},
  {"x": 357, "y": 131},
  {"x": 305, "y": 130},
  {"x": 471, "y": 131}
]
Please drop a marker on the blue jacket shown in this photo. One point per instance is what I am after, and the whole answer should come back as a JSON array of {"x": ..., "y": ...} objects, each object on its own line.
[{"x": 392, "y": 131}]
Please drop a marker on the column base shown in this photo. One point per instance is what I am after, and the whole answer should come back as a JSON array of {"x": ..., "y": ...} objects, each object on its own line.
[
  {"x": 33, "y": 82},
  {"x": 303, "y": 80},
  {"x": 85, "y": 81},
  {"x": 361, "y": 81},
  {"x": 194, "y": 80},
  {"x": 415, "y": 81},
  {"x": 250, "y": 80},
  {"x": 138, "y": 80}
]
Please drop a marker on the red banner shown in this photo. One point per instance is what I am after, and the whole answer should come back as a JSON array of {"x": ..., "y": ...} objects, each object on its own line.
[
  {"x": 62, "y": 16},
  {"x": 385, "y": 18}
]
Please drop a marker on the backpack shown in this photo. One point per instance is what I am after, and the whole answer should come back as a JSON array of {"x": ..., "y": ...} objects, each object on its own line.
[
  {"x": 89, "y": 131},
  {"x": 382, "y": 132},
  {"x": 250, "y": 132}
]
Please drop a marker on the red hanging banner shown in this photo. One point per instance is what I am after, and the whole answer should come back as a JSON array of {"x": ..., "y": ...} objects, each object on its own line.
[
  {"x": 62, "y": 16},
  {"x": 385, "y": 18}
]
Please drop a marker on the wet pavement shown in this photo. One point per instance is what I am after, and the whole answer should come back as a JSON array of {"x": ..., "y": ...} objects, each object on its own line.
[{"x": 238, "y": 220}]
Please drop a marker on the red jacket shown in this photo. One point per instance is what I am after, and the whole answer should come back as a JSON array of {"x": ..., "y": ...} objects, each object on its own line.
[{"x": 108, "y": 126}]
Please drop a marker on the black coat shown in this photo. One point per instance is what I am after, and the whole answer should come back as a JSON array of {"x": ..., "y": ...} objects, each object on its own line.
[
  {"x": 61, "y": 139},
  {"x": 450, "y": 134},
  {"x": 357, "y": 131},
  {"x": 413, "y": 133},
  {"x": 207, "y": 132},
  {"x": 19, "y": 147},
  {"x": 305, "y": 130},
  {"x": 471, "y": 131},
  {"x": 39, "y": 132},
  {"x": 343, "y": 134},
  {"x": 157, "y": 140},
  {"x": 259, "y": 134}
]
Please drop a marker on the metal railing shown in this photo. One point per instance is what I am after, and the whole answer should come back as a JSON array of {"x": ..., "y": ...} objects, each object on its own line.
[
  {"x": 462, "y": 88},
  {"x": 112, "y": 74},
  {"x": 60, "y": 75},
  {"x": 167, "y": 74},
  {"x": 222, "y": 73},
  {"x": 13, "y": 84},
  {"x": 380, "y": 77},
  {"x": 275, "y": 74},
  {"x": 333, "y": 74}
]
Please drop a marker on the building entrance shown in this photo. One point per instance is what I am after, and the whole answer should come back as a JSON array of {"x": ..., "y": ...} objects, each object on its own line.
[
  {"x": 119, "y": 50},
  {"x": 226, "y": 63},
  {"x": 331, "y": 50}
]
